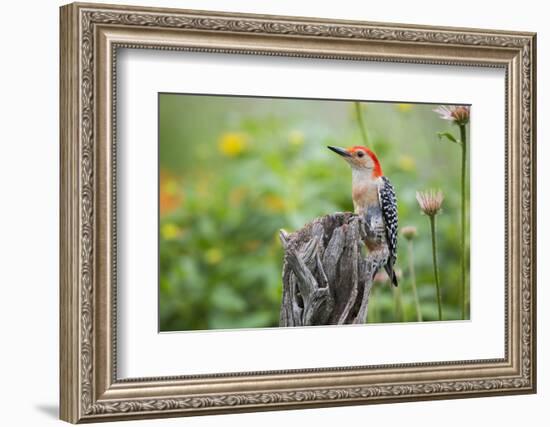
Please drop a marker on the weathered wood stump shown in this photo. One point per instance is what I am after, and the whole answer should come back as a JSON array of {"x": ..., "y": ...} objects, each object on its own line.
[{"x": 326, "y": 277}]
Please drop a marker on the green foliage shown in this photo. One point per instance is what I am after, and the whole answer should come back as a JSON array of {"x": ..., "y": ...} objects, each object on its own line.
[
  {"x": 236, "y": 170},
  {"x": 449, "y": 136}
]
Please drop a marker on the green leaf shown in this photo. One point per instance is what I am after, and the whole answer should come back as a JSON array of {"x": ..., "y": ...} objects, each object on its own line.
[{"x": 449, "y": 136}]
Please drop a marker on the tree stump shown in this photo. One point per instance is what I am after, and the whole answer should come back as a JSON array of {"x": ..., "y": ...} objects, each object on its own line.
[{"x": 326, "y": 277}]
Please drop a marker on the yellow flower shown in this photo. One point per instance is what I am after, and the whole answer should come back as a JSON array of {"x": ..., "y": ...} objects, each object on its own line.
[
  {"x": 406, "y": 163},
  {"x": 296, "y": 137},
  {"x": 274, "y": 203},
  {"x": 231, "y": 144},
  {"x": 213, "y": 256},
  {"x": 404, "y": 108},
  {"x": 170, "y": 231}
]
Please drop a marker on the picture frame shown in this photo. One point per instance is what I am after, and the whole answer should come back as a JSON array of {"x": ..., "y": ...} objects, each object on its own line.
[{"x": 91, "y": 36}]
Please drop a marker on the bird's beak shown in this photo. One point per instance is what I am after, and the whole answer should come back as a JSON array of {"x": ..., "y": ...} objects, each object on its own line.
[{"x": 340, "y": 151}]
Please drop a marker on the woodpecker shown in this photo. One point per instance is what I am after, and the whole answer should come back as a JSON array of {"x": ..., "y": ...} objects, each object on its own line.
[{"x": 374, "y": 198}]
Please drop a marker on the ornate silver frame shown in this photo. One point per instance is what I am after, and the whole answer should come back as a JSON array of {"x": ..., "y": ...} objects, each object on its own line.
[{"x": 90, "y": 36}]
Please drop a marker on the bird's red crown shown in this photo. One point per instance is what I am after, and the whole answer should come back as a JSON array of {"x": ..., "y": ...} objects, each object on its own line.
[{"x": 377, "y": 171}]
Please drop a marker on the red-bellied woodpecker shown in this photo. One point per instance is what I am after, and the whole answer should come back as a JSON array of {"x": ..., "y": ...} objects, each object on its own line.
[{"x": 373, "y": 198}]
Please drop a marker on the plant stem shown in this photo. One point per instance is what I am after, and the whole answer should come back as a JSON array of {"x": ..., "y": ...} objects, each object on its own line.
[
  {"x": 463, "y": 218},
  {"x": 413, "y": 281},
  {"x": 373, "y": 315},
  {"x": 361, "y": 123},
  {"x": 399, "y": 313},
  {"x": 436, "y": 269}
]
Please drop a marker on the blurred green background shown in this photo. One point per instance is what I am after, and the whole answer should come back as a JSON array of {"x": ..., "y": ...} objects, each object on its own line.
[{"x": 234, "y": 170}]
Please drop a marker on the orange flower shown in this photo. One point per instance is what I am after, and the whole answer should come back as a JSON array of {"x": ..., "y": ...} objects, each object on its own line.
[{"x": 170, "y": 196}]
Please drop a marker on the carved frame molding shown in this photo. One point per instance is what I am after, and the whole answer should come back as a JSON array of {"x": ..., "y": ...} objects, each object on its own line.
[{"x": 90, "y": 37}]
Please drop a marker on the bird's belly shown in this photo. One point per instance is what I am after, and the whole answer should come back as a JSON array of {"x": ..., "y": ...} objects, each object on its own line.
[{"x": 364, "y": 196}]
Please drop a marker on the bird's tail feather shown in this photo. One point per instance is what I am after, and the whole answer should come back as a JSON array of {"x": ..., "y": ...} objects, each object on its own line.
[{"x": 391, "y": 274}]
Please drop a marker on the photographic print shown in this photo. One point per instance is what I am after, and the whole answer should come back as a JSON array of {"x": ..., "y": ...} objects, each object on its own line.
[
  {"x": 280, "y": 213},
  {"x": 299, "y": 212}
]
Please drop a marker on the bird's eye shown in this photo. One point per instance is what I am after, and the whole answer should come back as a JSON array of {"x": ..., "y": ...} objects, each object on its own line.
[{"x": 360, "y": 154}]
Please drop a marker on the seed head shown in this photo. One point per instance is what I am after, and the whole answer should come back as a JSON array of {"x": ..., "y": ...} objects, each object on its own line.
[
  {"x": 409, "y": 232},
  {"x": 430, "y": 201},
  {"x": 459, "y": 114}
]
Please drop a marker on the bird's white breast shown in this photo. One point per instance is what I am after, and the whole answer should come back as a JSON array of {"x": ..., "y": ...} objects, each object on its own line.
[{"x": 364, "y": 191}]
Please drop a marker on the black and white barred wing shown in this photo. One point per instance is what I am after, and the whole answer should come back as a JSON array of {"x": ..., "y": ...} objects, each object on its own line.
[{"x": 388, "y": 204}]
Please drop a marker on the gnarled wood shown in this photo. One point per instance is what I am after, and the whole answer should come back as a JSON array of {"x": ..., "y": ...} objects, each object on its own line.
[{"x": 327, "y": 279}]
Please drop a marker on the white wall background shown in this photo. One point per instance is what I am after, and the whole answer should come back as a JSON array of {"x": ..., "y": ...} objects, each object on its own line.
[{"x": 29, "y": 170}]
